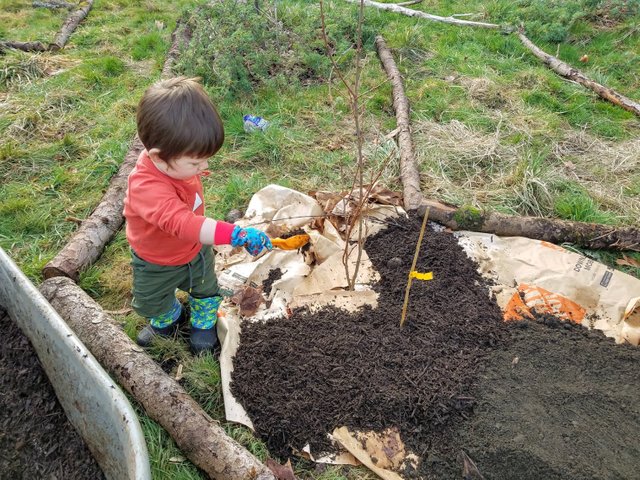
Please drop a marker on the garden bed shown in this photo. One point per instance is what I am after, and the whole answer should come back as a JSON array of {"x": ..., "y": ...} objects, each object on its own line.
[{"x": 537, "y": 399}]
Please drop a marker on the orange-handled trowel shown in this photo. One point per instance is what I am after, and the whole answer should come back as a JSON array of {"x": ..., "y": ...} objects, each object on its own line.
[{"x": 291, "y": 243}]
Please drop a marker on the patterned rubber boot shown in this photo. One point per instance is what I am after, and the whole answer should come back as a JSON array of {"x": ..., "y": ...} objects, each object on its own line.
[
  {"x": 164, "y": 325},
  {"x": 204, "y": 315}
]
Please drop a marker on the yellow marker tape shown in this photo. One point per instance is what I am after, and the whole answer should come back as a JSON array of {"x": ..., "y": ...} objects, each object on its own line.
[{"x": 421, "y": 276}]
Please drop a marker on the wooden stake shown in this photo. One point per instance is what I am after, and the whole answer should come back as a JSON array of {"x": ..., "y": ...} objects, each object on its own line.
[{"x": 413, "y": 267}]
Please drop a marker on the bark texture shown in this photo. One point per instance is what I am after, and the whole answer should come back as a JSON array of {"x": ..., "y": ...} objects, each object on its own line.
[
  {"x": 588, "y": 235},
  {"x": 88, "y": 242},
  {"x": 409, "y": 173},
  {"x": 70, "y": 24},
  {"x": 427, "y": 16},
  {"x": 197, "y": 435},
  {"x": 567, "y": 71}
]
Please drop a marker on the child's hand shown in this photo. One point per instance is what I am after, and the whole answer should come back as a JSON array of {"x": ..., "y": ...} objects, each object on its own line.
[{"x": 252, "y": 239}]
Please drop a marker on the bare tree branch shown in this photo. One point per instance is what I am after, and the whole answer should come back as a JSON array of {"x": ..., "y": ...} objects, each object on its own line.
[
  {"x": 567, "y": 71},
  {"x": 409, "y": 173},
  {"x": 427, "y": 16}
]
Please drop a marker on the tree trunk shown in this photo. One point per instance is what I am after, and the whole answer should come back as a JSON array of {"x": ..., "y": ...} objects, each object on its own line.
[
  {"x": 567, "y": 71},
  {"x": 588, "y": 235},
  {"x": 87, "y": 244},
  {"x": 197, "y": 435},
  {"x": 52, "y": 5},
  {"x": 427, "y": 16},
  {"x": 409, "y": 173},
  {"x": 70, "y": 24}
]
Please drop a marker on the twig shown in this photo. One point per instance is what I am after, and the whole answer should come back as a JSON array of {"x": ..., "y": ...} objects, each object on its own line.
[{"x": 413, "y": 267}]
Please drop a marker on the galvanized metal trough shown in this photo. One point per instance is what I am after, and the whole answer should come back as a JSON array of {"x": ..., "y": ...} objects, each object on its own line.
[{"x": 94, "y": 404}]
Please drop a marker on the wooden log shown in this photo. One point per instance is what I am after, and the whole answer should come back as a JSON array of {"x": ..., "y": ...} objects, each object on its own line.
[
  {"x": 88, "y": 242},
  {"x": 589, "y": 235},
  {"x": 70, "y": 24},
  {"x": 52, "y": 5},
  {"x": 427, "y": 16},
  {"x": 24, "y": 46},
  {"x": 567, "y": 71},
  {"x": 197, "y": 435},
  {"x": 180, "y": 37},
  {"x": 409, "y": 173}
]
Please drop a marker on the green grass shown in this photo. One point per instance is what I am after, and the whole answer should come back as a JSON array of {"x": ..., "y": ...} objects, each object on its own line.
[{"x": 493, "y": 127}]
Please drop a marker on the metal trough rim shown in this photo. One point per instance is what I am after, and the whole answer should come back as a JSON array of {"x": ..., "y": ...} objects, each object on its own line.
[{"x": 93, "y": 402}]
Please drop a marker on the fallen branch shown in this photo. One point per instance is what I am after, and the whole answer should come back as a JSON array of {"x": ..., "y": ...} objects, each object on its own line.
[
  {"x": 88, "y": 242},
  {"x": 197, "y": 435},
  {"x": 52, "y": 5},
  {"x": 567, "y": 71},
  {"x": 410, "y": 2},
  {"x": 427, "y": 16},
  {"x": 24, "y": 46},
  {"x": 589, "y": 235},
  {"x": 70, "y": 24},
  {"x": 180, "y": 37},
  {"x": 409, "y": 173}
]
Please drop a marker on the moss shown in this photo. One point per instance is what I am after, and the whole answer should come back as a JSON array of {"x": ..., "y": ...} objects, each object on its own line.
[{"x": 468, "y": 217}]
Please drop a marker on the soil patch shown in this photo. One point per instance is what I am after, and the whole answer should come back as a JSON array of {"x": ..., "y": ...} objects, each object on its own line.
[
  {"x": 301, "y": 377},
  {"x": 556, "y": 401},
  {"x": 36, "y": 438},
  {"x": 528, "y": 400}
]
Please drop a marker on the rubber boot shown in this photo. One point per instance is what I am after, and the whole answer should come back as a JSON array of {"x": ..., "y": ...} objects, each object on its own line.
[
  {"x": 203, "y": 340},
  {"x": 145, "y": 336}
]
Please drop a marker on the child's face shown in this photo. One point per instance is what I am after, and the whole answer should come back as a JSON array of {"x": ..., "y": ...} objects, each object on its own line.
[{"x": 183, "y": 168}]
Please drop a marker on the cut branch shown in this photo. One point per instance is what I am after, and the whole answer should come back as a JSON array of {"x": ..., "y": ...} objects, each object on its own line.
[
  {"x": 24, "y": 46},
  {"x": 567, "y": 71},
  {"x": 588, "y": 235},
  {"x": 409, "y": 173},
  {"x": 427, "y": 16},
  {"x": 87, "y": 244},
  {"x": 197, "y": 435},
  {"x": 52, "y": 5},
  {"x": 70, "y": 24}
]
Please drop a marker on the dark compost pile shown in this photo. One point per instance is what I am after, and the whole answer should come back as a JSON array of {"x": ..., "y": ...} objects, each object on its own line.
[
  {"x": 526, "y": 400},
  {"x": 36, "y": 439},
  {"x": 303, "y": 376}
]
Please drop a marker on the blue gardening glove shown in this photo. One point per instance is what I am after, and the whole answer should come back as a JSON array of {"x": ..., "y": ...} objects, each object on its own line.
[{"x": 252, "y": 239}]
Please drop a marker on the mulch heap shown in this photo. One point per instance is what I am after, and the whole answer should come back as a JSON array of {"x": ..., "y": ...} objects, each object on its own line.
[
  {"x": 527, "y": 400},
  {"x": 36, "y": 439},
  {"x": 301, "y": 377}
]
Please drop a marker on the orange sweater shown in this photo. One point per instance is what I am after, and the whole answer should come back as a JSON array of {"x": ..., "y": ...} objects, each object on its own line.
[{"x": 164, "y": 215}]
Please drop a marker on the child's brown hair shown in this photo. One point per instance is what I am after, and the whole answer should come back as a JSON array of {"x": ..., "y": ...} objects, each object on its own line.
[{"x": 177, "y": 117}]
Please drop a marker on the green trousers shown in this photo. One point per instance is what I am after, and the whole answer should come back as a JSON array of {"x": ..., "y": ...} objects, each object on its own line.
[{"x": 154, "y": 286}]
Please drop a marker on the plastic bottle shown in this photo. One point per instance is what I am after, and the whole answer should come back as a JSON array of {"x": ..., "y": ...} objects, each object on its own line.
[{"x": 253, "y": 123}]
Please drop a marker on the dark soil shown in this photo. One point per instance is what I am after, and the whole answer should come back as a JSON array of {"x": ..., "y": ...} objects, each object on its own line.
[
  {"x": 36, "y": 439},
  {"x": 274, "y": 275},
  {"x": 301, "y": 377},
  {"x": 540, "y": 399}
]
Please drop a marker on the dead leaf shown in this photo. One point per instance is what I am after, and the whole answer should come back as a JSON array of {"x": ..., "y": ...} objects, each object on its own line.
[
  {"x": 469, "y": 469},
  {"x": 628, "y": 261},
  {"x": 385, "y": 196},
  {"x": 179, "y": 373},
  {"x": 177, "y": 459},
  {"x": 584, "y": 58},
  {"x": 248, "y": 299},
  {"x": 282, "y": 472}
]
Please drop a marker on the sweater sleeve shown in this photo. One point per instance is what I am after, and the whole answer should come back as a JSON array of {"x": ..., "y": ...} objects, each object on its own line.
[{"x": 160, "y": 206}]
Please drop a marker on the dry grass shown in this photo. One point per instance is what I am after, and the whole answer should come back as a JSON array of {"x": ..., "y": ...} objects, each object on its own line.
[{"x": 464, "y": 165}]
